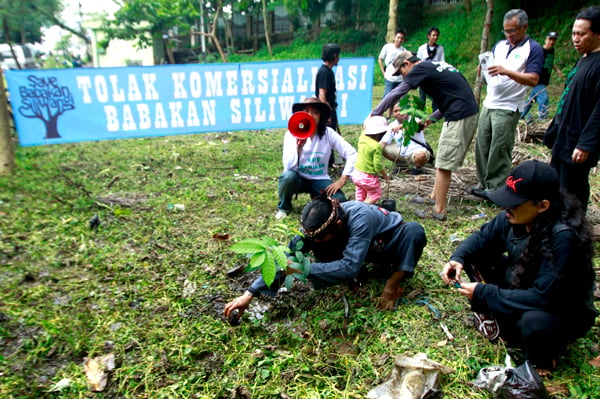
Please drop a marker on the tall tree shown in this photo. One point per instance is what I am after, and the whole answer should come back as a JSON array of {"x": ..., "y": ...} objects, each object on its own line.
[
  {"x": 265, "y": 13},
  {"x": 392, "y": 20},
  {"x": 145, "y": 20},
  {"x": 7, "y": 154},
  {"x": 23, "y": 20},
  {"x": 213, "y": 31},
  {"x": 485, "y": 39}
]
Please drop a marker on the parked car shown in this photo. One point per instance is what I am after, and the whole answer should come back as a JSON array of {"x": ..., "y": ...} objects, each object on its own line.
[{"x": 23, "y": 53}]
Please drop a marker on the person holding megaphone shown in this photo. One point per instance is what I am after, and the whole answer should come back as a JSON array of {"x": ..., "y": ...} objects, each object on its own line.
[{"x": 307, "y": 147}]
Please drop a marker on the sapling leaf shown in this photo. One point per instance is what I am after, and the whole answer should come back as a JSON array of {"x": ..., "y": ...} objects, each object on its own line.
[
  {"x": 248, "y": 246},
  {"x": 296, "y": 265},
  {"x": 268, "y": 269},
  {"x": 404, "y": 101},
  {"x": 306, "y": 266},
  {"x": 299, "y": 256},
  {"x": 289, "y": 280},
  {"x": 257, "y": 260},
  {"x": 270, "y": 242},
  {"x": 279, "y": 256}
]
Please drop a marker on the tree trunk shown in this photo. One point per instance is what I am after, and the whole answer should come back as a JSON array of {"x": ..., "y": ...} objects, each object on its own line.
[
  {"x": 7, "y": 36},
  {"x": 485, "y": 38},
  {"x": 468, "y": 7},
  {"x": 392, "y": 18},
  {"x": 213, "y": 31},
  {"x": 169, "y": 51},
  {"x": 266, "y": 24},
  {"x": 7, "y": 155},
  {"x": 229, "y": 40}
]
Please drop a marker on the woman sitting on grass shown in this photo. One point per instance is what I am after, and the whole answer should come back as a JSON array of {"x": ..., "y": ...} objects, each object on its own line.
[
  {"x": 538, "y": 297},
  {"x": 305, "y": 161}
]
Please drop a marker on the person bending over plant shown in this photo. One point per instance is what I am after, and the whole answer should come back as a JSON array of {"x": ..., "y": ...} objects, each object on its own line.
[{"x": 343, "y": 237}]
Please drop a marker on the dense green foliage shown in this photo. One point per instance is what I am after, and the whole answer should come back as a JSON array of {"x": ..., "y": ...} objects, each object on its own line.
[{"x": 21, "y": 21}]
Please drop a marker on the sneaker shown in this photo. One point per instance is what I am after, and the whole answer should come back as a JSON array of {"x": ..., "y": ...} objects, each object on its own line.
[
  {"x": 487, "y": 326},
  {"x": 281, "y": 214},
  {"x": 417, "y": 199},
  {"x": 430, "y": 214},
  {"x": 479, "y": 192}
]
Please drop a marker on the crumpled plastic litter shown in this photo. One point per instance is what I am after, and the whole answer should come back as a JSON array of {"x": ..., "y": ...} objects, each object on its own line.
[
  {"x": 523, "y": 382},
  {"x": 96, "y": 371},
  {"x": 413, "y": 377},
  {"x": 508, "y": 382}
]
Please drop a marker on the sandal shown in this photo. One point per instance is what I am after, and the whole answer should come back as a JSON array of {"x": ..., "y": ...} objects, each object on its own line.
[{"x": 487, "y": 326}]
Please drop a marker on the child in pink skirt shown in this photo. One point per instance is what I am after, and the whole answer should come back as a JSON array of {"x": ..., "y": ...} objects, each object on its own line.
[{"x": 369, "y": 163}]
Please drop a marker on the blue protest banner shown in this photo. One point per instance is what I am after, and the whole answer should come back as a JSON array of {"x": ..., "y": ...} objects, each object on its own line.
[{"x": 83, "y": 104}]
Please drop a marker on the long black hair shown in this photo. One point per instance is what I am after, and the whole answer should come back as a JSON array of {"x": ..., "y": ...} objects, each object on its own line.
[
  {"x": 568, "y": 211},
  {"x": 321, "y": 126}
]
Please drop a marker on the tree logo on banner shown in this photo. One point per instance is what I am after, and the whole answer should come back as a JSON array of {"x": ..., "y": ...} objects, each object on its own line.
[{"x": 44, "y": 99}]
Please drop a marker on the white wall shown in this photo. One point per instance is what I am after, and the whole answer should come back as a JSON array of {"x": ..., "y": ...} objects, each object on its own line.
[{"x": 120, "y": 51}]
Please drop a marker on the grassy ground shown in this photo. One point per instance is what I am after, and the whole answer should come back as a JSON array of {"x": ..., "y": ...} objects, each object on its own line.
[{"x": 69, "y": 292}]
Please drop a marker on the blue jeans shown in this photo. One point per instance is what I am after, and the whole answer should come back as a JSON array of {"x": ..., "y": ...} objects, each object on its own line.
[
  {"x": 291, "y": 183},
  {"x": 389, "y": 86},
  {"x": 539, "y": 94}
]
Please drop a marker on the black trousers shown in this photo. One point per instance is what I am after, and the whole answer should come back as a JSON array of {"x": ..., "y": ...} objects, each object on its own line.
[
  {"x": 542, "y": 335},
  {"x": 574, "y": 179}
]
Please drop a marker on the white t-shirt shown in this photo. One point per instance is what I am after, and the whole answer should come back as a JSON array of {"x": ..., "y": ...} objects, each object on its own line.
[
  {"x": 388, "y": 54},
  {"x": 422, "y": 53},
  {"x": 314, "y": 159},
  {"x": 508, "y": 94},
  {"x": 407, "y": 150}
]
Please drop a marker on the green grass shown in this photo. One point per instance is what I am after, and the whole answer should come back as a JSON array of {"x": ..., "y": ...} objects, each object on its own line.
[{"x": 68, "y": 292}]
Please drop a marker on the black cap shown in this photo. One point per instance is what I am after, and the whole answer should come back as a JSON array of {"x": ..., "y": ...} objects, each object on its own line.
[
  {"x": 531, "y": 180},
  {"x": 323, "y": 108},
  {"x": 553, "y": 35}
]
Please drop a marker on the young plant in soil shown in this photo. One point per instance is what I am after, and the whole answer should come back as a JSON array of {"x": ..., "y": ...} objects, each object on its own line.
[
  {"x": 413, "y": 107},
  {"x": 269, "y": 256}
]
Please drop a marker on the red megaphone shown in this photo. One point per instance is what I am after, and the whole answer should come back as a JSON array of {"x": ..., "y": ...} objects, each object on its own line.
[{"x": 301, "y": 125}]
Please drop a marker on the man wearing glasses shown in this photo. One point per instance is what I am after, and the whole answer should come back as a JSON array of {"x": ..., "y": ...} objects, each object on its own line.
[{"x": 517, "y": 63}]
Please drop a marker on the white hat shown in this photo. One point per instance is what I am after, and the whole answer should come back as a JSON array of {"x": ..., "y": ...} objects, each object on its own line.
[{"x": 375, "y": 125}]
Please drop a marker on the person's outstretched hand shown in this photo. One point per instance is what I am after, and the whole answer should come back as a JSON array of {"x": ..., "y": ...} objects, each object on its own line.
[
  {"x": 467, "y": 289},
  {"x": 451, "y": 272},
  {"x": 240, "y": 303}
]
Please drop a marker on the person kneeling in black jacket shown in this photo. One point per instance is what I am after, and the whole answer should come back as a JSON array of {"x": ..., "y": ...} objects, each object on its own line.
[{"x": 530, "y": 267}]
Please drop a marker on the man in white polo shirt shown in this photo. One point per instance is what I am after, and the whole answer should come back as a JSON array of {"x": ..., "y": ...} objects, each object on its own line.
[{"x": 517, "y": 63}]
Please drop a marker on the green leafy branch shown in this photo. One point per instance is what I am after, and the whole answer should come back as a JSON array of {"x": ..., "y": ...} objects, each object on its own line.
[
  {"x": 411, "y": 105},
  {"x": 269, "y": 256}
]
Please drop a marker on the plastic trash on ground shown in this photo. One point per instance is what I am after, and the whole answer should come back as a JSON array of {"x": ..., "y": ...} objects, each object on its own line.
[
  {"x": 96, "y": 371},
  {"x": 413, "y": 377},
  {"x": 509, "y": 382}
]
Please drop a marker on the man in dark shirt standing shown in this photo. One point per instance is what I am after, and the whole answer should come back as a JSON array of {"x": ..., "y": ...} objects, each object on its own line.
[
  {"x": 539, "y": 93},
  {"x": 325, "y": 82},
  {"x": 449, "y": 89},
  {"x": 574, "y": 134}
]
